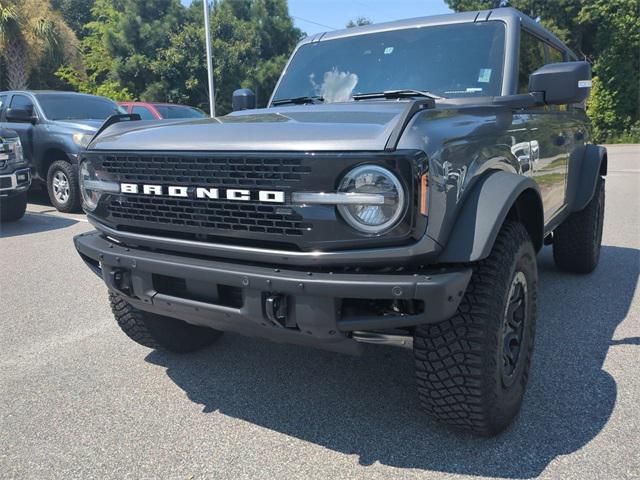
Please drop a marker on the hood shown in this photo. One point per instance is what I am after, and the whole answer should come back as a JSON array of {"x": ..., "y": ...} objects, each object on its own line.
[
  {"x": 6, "y": 133},
  {"x": 330, "y": 127},
  {"x": 80, "y": 125}
]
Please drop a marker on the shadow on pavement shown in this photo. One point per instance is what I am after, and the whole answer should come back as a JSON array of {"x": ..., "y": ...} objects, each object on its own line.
[
  {"x": 38, "y": 195},
  {"x": 34, "y": 223},
  {"x": 367, "y": 405}
]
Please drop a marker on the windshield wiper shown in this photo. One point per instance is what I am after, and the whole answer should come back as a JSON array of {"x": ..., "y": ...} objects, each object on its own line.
[
  {"x": 298, "y": 100},
  {"x": 405, "y": 93}
]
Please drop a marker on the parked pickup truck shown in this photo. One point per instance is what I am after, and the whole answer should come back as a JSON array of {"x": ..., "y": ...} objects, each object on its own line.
[
  {"x": 54, "y": 127},
  {"x": 397, "y": 187},
  {"x": 161, "y": 111},
  {"x": 15, "y": 177}
]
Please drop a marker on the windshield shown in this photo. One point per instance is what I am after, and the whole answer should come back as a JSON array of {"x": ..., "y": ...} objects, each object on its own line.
[
  {"x": 174, "y": 111},
  {"x": 77, "y": 107},
  {"x": 458, "y": 60}
]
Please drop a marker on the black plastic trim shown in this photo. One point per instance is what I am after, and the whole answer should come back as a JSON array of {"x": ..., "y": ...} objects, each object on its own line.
[
  {"x": 315, "y": 296},
  {"x": 584, "y": 176},
  {"x": 483, "y": 214},
  {"x": 412, "y": 108},
  {"x": 401, "y": 255},
  {"x": 132, "y": 117}
]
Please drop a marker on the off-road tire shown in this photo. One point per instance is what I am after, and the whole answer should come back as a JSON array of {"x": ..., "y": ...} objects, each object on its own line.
[
  {"x": 73, "y": 202},
  {"x": 459, "y": 362},
  {"x": 577, "y": 241},
  {"x": 12, "y": 208},
  {"x": 159, "y": 332}
]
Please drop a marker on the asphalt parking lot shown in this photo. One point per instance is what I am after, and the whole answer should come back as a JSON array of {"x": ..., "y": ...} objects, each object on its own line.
[{"x": 80, "y": 400}]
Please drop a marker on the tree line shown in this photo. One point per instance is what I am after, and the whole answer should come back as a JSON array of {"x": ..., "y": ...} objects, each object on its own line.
[
  {"x": 154, "y": 50},
  {"x": 607, "y": 34}
]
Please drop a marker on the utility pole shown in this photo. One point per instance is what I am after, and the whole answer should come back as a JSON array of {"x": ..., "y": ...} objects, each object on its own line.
[{"x": 207, "y": 31}]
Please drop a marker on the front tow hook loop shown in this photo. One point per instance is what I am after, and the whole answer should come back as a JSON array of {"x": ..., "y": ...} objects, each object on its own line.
[
  {"x": 121, "y": 280},
  {"x": 275, "y": 307}
]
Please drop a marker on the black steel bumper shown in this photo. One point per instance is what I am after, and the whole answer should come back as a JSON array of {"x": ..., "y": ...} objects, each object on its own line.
[{"x": 312, "y": 300}]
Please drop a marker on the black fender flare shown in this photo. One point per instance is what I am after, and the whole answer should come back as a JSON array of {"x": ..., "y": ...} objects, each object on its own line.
[
  {"x": 583, "y": 176},
  {"x": 484, "y": 212}
]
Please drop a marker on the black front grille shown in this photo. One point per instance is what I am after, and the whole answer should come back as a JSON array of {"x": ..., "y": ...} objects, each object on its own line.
[
  {"x": 207, "y": 216},
  {"x": 250, "y": 222},
  {"x": 207, "y": 170},
  {"x": 5, "y": 182}
]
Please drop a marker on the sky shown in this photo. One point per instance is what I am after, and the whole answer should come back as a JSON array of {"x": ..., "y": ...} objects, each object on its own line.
[
  {"x": 335, "y": 14},
  {"x": 313, "y": 16}
]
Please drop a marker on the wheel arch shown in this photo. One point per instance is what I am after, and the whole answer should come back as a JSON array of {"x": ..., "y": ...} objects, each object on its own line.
[
  {"x": 50, "y": 155},
  {"x": 584, "y": 174},
  {"x": 528, "y": 210},
  {"x": 496, "y": 198}
]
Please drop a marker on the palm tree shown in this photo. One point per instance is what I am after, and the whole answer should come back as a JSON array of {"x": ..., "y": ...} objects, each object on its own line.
[{"x": 30, "y": 29}]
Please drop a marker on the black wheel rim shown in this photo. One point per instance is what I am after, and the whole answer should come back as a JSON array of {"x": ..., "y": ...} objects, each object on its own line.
[{"x": 515, "y": 319}]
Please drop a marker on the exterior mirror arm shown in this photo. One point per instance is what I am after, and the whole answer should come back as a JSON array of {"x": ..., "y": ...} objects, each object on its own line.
[{"x": 521, "y": 100}]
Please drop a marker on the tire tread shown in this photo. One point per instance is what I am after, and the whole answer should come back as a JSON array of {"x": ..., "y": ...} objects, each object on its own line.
[
  {"x": 574, "y": 248},
  {"x": 73, "y": 205},
  {"x": 12, "y": 208},
  {"x": 159, "y": 332},
  {"x": 454, "y": 358}
]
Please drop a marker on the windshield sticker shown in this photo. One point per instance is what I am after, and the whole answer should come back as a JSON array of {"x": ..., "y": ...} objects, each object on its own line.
[
  {"x": 485, "y": 75},
  {"x": 336, "y": 86},
  {"x": 388, "y": 50}
]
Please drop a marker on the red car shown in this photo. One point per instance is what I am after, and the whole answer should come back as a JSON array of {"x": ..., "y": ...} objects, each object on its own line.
[{"x": 158, "y": 111}]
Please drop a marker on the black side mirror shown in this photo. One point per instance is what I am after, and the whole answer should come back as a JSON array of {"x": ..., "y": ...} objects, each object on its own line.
[
  {"x": 243, "y": 99},
  {"x": 20, "y": 116},
  {"x": 562, "y": 83}
]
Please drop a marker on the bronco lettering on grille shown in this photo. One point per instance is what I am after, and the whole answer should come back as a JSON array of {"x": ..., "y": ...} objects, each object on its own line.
[{"x": 239, "y": 194}]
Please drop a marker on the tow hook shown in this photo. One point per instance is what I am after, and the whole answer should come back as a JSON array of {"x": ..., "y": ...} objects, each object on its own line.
[
  {"x": 275, "y": 307},
  {"x": 121, "y": 279}
]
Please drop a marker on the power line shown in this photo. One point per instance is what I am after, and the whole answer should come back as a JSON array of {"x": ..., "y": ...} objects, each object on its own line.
[{"x": 315, "y": 23}]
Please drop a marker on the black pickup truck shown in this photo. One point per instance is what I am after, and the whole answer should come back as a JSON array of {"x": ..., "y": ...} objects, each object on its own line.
[
  {"x": 15, "y": 177},
  {"x": 395, "y": 190}
]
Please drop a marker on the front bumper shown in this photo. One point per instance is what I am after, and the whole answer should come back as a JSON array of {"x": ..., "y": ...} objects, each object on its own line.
[
  {"x": 420, "y": 251},
  {"x": 15, "y": 182},
  {"x": 312, "y": 300}
]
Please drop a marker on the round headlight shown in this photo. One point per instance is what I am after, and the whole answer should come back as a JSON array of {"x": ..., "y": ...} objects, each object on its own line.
[
  {"x": 87, "y": 177},
  {"x": 377, "y": 216}
]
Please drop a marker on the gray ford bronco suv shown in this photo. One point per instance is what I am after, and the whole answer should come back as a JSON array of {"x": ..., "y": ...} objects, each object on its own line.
[
  {"x": 15, "y": 177},
  {"x": 398, "y": 186}
]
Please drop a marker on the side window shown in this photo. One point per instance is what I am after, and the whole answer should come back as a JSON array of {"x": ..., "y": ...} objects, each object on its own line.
[
  {"x": 555, "y": 55},
  {"x": 531, "y": 58},
  {"x": 144, "y": 113}
]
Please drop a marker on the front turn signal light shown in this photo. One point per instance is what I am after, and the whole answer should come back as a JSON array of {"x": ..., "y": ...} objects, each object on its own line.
[{"x": 423, "y": 195}]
